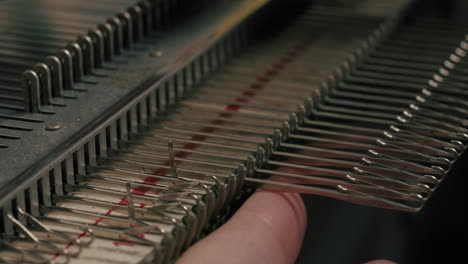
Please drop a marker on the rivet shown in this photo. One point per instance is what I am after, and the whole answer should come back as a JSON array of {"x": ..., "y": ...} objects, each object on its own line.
[
  {"x": 156, "y": 53},
  {"x": 53, "y": 127}
]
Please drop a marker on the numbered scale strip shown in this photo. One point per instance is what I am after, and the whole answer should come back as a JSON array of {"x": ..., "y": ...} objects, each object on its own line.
[{"x": 363, "y": 136}]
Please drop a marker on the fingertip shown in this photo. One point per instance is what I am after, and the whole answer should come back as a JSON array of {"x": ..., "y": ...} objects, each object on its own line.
[
  {"x": 295, "y": 202},
  {"x": 283, "y": 217},
  {"x": 268, "y": 228}
]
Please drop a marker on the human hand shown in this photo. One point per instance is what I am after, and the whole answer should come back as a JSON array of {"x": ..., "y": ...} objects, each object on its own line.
[{"x": 268, "y": 229}]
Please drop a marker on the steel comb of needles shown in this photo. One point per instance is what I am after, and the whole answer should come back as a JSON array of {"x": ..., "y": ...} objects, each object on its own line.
[{"x": 383, "y": 129}]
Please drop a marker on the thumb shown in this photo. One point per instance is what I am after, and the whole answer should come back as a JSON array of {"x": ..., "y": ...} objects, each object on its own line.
[{"x": 268, "y": 228}]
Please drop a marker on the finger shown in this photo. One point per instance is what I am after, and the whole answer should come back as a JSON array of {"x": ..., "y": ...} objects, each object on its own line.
[{"x": 268, "y": 228}]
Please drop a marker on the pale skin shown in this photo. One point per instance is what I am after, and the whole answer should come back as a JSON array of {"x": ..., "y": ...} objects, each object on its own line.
[{"x": 268, "y": 228}]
